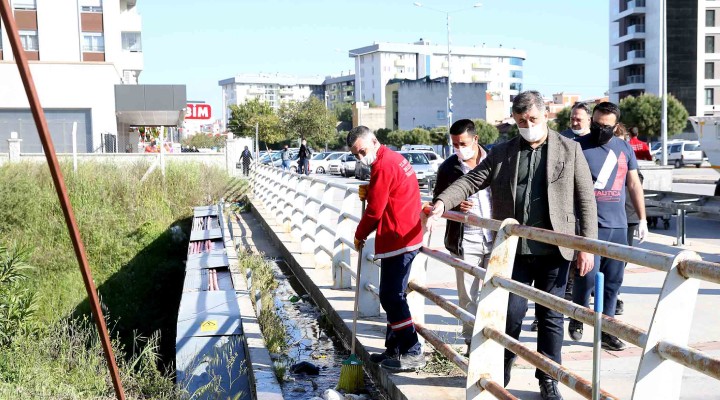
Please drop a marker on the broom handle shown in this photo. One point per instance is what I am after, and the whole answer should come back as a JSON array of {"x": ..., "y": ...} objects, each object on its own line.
[{"x": 357, "y": 289}]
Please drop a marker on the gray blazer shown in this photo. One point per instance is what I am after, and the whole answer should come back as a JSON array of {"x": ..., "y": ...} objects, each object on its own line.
[{"x": 570, "y": 186}]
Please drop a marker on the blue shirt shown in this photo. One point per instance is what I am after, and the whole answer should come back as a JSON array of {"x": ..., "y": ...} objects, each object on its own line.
[{"x": 609, "y": 165}]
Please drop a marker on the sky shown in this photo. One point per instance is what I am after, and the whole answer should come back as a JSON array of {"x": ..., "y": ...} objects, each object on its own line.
[{"x": 200, "y": 43}]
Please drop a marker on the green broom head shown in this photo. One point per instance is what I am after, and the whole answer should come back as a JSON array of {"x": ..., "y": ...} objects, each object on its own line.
[{"x": 351, "y": 375}]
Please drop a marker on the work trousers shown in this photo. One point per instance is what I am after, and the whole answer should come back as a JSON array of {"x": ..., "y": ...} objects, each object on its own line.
[
  {"x": 549, "y": 274},
  {"x": 468, "y": 286},
  {"x": 401, "y": 337},
  {"x": 614, "y": 270}
]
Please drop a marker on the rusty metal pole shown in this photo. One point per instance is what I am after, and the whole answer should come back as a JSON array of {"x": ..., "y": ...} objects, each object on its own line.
[{"x": 49, "y": 148}]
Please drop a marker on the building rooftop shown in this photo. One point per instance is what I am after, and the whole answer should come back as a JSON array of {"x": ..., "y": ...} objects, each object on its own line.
[
  {"x": 426, "y": 48},
  {"x": 274, "y": 78}
]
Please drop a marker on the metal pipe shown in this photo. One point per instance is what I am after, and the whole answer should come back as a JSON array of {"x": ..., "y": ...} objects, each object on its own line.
[
  {"x": 496, "y": 390},
  {"x": 348, "y": 268},
  {"x": 628, "y": 332},
  {"x": 704, "y": 270},
  {"x": 372, "y": 289},
  {"x": 347, "y": 241},
  {"x": 647, "y": 258},
  {"x": 443, "y": 303},
  {"x": 575, "y": 382},
  {"x": 49, "y": 149},
  {"x": 350, "y": 217},
  {"x": 689, "y": 357},
  {"x": 454, "y": 262},
  {"x": 442, "y": 347},
  {"x": 599, "y": 298}
]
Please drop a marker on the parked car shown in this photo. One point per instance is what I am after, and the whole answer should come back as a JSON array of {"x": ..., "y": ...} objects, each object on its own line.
[
  {"x": 319, "y": 163},
  {"x": 421, "y": 165},
  {"x": 362, "y": 171},
  {"x": 343, "y": 165},
  {"x": 685, "y": 153},
  {"x": 434, "y": 158},
  {"x": 421, "y": 147}
]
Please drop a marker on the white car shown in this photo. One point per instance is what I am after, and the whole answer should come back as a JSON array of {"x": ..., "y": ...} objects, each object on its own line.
[
  {"x": 320, "y": 162},
  {"x": 434, "y": 158},
  {"x": 343, "y": 165},
  {"x": 685, "y": 153}
]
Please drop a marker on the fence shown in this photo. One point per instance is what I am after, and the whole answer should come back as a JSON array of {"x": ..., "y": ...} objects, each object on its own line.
[{"x": 306, "y": 208}]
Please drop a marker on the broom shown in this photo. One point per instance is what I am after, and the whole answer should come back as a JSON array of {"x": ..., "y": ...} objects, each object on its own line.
[{"x": 351, "y": 372}]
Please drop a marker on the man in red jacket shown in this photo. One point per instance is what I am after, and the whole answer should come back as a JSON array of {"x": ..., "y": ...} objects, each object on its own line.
[
  {"x": 393, "y": 208},
  {"x": 641, "y": 149}
]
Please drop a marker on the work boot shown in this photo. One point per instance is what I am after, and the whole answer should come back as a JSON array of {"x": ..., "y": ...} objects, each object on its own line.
[
  {"x": 533, "y": 326},
  {"x": 404, "y": 363},
  {"x": 575, "y": 329},
  {"x": 612, "y": 343},
  {"x": 549, "y": 389},
  {"x": 619, "y": 307},
  {"x": 377, "y": 358}
]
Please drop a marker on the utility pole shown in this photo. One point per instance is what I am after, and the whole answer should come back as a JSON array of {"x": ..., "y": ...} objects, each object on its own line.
[{"x": 663, "y": 80}]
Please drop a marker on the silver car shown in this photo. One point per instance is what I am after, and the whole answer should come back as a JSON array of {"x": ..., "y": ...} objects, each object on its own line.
[
  {"x": 421, "y": 165},
  {"x": 343, "y": 165}
]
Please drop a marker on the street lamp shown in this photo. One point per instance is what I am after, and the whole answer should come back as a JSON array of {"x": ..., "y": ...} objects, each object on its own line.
[{"x": 449, "y": 84}]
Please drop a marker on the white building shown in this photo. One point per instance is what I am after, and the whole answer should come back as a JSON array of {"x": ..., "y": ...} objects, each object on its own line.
[
  {"x": 693, "y": 59},
  {"x": 375, "y": 65},
  {"x": 274, "y": 89},
  {"x": 79, "y": 51}
]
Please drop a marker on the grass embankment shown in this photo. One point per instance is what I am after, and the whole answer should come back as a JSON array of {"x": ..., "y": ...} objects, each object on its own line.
[{"x": 136, "y": 254}]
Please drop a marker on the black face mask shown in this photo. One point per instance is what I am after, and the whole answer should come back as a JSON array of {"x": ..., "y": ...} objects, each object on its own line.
[{"x": 601, "y": 133}]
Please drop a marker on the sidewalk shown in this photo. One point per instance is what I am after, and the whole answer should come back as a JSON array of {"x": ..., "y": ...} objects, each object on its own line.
[{"x": 640, "y": 292}]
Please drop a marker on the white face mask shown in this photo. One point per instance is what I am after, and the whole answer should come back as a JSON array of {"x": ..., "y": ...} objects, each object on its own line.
[
  {"x": 465, "y": 153},
  {"x": 578, "y": 132},
  {"x": 532, "y": 134},
  {"x": 369, "y": 159}
]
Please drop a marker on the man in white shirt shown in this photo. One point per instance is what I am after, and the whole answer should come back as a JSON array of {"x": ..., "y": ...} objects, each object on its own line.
[{"x": 468, "y": 242}]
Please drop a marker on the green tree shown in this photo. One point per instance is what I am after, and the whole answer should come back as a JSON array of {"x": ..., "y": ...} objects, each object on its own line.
[
  {"x": 644, "y": 112},
  {"x": 562, "y": 119},
  {"x": 439, "y": 135},
  {"x": 382, "y": 135},
  {"x": 417, "y": 136},
  {"x": 243, "y": 118},
  {"x": 396, "y": 138},
  {"x": 310, "y": 120},
  {"x": 487, "y": 133},
  {"x": 343, "y": 112}
]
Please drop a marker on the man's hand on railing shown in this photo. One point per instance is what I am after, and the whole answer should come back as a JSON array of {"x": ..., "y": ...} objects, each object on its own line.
[
  {"x": 362, "y": 192},
  {"x": 585, "y": 262},
  {"x": 359, "y": 244},
  {"x": 466, "y": 206},
  {"x": 431, "y": 214},
  {"x": 642, "y": 231}
]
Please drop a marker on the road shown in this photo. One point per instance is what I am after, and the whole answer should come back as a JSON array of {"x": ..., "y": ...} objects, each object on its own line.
[{"x": 695, "y": 173}]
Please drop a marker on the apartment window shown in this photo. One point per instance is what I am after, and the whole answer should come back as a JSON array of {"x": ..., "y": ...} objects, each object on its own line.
[
  {"x": 24, "y": 5},
  {"x": 440, "y": 115},
  {"x": 93, "y": 42},
  {"x": 516, "y": 74},
  {"x": 709, "y": 97},
  {"x": 709, "y": 44},
  {"x": 91, "y": 6},
  {"x": 709, "y": 70},
  {"x": 710, "y": 18},
  {"x": 29, "y": 40},
  {"x": 131, "y": 41},
  {"x": 516, "y": 86},
  {"x": 516, "y": 61}
]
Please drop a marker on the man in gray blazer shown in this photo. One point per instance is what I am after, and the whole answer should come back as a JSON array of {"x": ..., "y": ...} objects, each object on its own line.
[{"x": 543, "y": 180}]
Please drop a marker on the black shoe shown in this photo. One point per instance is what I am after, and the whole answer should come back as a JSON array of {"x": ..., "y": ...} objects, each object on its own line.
[
  {"x": 612, "y": 343},
  {"x": 508, "y": 369},
  {"x": 377, "y": 358},
  {"x": 406, "y": 362},
  {"x": 619, "y": 307},
  {"x": 575, "y": 329},
  {"x": 549, "y": 389},
  {"x": 533, "y": 326}
]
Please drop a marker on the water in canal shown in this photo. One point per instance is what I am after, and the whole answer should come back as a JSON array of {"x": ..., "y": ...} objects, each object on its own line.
[{"x": 309, "y": 339}]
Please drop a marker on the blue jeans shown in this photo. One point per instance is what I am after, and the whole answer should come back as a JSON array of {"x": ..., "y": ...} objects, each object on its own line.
[
  {"x": 614, "y": 271},
  {"x": 549, "y": 274},
  {"x": 286, "y": 165},
  {"x": 400, "y": 336}
]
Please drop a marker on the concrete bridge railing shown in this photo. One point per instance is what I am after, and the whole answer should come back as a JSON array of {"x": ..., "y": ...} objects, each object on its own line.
[{"x": 322, "y": 216}]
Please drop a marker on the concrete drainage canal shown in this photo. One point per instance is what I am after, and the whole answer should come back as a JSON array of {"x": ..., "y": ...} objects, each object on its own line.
[{"x": 310, "y": 361}]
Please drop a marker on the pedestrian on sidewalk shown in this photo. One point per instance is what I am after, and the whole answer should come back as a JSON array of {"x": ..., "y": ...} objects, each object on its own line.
[
  {"x": 245, "y": 160},
  {"x": 285, "y": 157},
  {"x": 613, "y": 168},
  {"x": 467, "y": 242},
  {"x": 393, "y": 209},
  {"x": 640, "y": 148},
  {"x": 548, "y": 180},
  {"x": 304, "y": 158}
]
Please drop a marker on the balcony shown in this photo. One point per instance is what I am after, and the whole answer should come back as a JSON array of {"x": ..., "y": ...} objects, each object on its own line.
[
  {"x": 480, "y": 78},
  {"x": 349, "y": 98},
  {"x": 634, "y": 32},
  {"x": 285, "y": 92},
  {"x": 255, "y": 90},
  {"x": 637, "y": 28},
  {"x": 400, "y": 63},
  {"x": 633, "y": 54},
  {"x": 481, "y": 66},
  {"x": 635, "y": 79},
  {"x": 633, "y": 7}
]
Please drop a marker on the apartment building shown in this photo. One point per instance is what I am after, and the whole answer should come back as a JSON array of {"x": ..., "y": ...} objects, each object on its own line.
[
  {"x": 501, "y": 69},
  {"x": 693, "y": 51},
  {"x": 275, "y": 89},
  {"x": 339, "y": 89},
  {"x": 78, "y": 51}
]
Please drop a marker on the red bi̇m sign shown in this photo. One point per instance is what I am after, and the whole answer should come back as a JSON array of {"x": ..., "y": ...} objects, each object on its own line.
[{"x": 198, "y": 111}]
